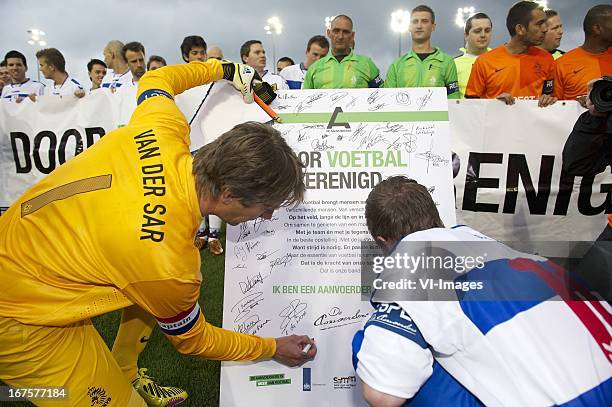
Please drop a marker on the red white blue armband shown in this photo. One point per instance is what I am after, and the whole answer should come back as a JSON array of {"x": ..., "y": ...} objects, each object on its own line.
[{"x": 180, "y": 323}]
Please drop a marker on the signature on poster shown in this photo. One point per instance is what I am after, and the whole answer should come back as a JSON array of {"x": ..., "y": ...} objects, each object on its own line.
[
  {"x": 308, "y": 101},
  {"x": 265, "y": 254},
  {"x": 318, "y": 145},
  {"x": 243, "y": 307},
  {"x": 252, "y": 325},
  {"x": 432, "y": 159},
  {"x": 337, "y": 97},
  {"x": 423, "y": 101},
  {"x": 245, "y": 231},
  {"x": 242, "y": 250},
  {"x": 402, "y": 98},
  {"x": 336, "y": 318},
  {"x": 251, "y": 282},
  {"x": 405, "y": 142},
  {"x": 377, "y": 107},
  {"x": 281, "y": 262},
  {"x": 292, "y": 315},
  {"x": 375, "y": 97},
  {"x": 257, "y": 223}
]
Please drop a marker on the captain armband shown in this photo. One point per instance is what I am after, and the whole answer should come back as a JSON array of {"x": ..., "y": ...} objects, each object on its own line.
[{"x": 180, "y": 323}]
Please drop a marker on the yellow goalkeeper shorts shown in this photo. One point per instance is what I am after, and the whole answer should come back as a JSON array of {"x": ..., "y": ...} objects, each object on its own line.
[{"x": 73, "y": 357}]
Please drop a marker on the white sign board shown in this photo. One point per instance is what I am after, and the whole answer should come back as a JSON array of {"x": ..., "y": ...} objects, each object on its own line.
[
  {"x": 510, "y": 183},
  {"x": 299, "y": 273}
]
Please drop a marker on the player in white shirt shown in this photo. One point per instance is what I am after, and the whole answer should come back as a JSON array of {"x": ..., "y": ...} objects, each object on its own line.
[
  {"x": 52, "y": 65},
  {"x": 276, "y": 81},
  {"x": 18, "y": 91},
  {"x": 253, "y": 53},
  {"x": 96, "y": 70},
  {"x": 5, "y": 76},
  {"x": 294, "y": 75},
  {"x": 496, "y": 327},
  {"x": 215, "y": 52},
  {"x": 282, "y": 63},
  {"x": 134, "y": 54},
  {"x": 194, "y": 48},
  {"x": 156, "y": 62},
  {"x": 20, "y": 86},
  {"x": 118, "y": 73},
  {"x": 317, "y": 48},
  {"x": 69, "y": 86},
  {"x": 113, "y": 80}
]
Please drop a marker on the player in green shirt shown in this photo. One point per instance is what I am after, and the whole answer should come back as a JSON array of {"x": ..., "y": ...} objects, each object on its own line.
[
  {"x": 424, "y": 65},
  {"x": 342, "y": 68},
  {"x": 478, "y": 30}
]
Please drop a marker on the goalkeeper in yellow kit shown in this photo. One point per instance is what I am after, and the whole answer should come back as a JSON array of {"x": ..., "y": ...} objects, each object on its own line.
[{"x": 113, "y": 228}]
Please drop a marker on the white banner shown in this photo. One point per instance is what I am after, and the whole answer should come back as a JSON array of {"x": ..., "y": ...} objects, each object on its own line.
[
  {"x": 35, "y": 137},
  {"x": 509, "y": 145},
  {"x": 521, "y": 193},
  {"x": 300, "y": 272}
]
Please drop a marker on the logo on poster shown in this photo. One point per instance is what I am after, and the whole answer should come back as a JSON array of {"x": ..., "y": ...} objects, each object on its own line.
[
  {"x": 306, "y": 379},
  {"x": 270, "y": 380},
  {"x": 333, "y": 123},
  {"x": 344, "y": 382}
]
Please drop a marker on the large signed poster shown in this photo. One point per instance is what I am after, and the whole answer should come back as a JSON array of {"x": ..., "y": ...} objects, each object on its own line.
[{"x": 299, "y": 273}]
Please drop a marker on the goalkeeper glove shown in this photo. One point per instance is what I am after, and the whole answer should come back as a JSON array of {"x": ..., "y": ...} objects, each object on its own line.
[
  {"x": 264, "y": 90},
  {"x": 241, "y": 76},
  {"x": 246, "y": 80}
]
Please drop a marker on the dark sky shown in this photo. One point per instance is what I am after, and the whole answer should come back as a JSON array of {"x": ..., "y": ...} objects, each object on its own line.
[{"x": 80, "y": 29}]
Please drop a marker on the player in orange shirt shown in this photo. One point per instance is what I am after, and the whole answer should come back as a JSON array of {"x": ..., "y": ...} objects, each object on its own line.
[
  {"x": 593, "y": 59},
  {"x": 517, "y": 68}
]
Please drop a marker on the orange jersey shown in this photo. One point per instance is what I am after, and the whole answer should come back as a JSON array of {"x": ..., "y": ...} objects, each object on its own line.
[
  {"x": 524, "y": 75},
  {"x": 576, "y": 68}
]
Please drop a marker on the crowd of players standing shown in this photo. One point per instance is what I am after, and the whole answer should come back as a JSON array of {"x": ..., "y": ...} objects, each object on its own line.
[{"x": 529, "y": 65}]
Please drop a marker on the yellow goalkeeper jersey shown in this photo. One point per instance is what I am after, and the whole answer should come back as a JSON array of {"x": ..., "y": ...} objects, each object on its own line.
[{"x": 114, "y": 226}]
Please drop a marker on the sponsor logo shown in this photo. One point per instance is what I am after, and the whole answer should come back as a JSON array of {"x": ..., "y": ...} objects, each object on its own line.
[
  {"x": 144, "y": 339},
  {"x": 270, "y": 380},
  {"x": 548, "y": 87},
  {"x": 376, "y": 82},
  {"x": 578, "y": 70},
  {"x": 306, "y": 379},
  {"x": 332, "y": 122},
  {"x": 98, "y": 397},
  {"x": 499, "y": 69},
  {"x": 344, "y": 382},
  {"x": 537, "y": 68}
]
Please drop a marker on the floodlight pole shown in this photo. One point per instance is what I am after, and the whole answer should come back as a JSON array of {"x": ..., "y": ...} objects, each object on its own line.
[{"x": 35, "y": 39}]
